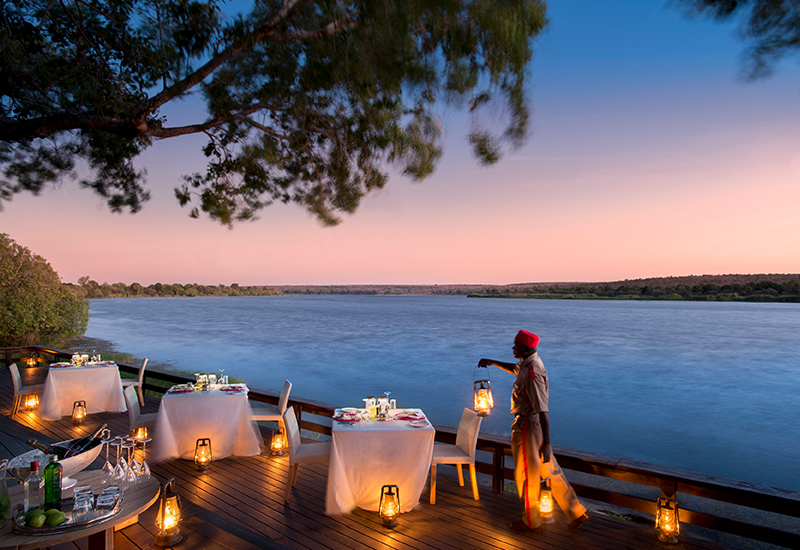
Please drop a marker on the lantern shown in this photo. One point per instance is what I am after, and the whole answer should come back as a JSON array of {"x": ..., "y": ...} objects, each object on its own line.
[
  {"x": 168, "y": 516},
  {"x": 29, "y": 402},
  {"x": 139, "y": 433},
  {"x": 482, "y": 395},
  {"x": 546, "y": 501},
  {"x": 667, "y": 522},
  {"x": 278, "y": 442},
  {"x": 202, "y": 453},
  {"x": 389, "y": 508},
  {"x": 31, "y": 361},
  {"x": 79, "y": 412}
]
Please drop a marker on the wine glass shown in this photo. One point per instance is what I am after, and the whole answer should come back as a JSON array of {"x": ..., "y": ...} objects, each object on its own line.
[
  {"x": 122, "y": 466},
  {"x": 222, "y": 377},
  {"x": 107, "y": 471},
  {"x": 144, "y": 469},
  {"x": 132, "y": 462},
  {"x": 130, "y": 475}
]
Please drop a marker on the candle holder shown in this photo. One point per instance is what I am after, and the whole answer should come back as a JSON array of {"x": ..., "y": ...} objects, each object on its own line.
[
  {"x": 482, "y": 391},
  {"x": 202, "y": 454},
  {"x": 278, "y": 445},
  {"x": 389, "y": 509},
  {"x": 546, "y": 502},
  {"x": 667, "y": 521},
  {"x": 168, "y": 516},
  {"x": 79, "y": 412}
]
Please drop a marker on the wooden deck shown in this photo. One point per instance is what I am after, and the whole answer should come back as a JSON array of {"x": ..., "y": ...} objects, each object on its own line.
[{"x": 238, "y": 504}]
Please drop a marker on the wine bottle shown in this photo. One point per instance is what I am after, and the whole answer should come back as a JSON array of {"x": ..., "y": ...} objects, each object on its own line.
[{"x": 69, "y": 448}]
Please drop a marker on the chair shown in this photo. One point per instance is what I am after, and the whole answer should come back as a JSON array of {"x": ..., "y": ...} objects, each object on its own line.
[
  {"x": 463, "y": 452},
  {"x": 135, "y": 416},
  {"x": 137, "y": 383},
  {"x": 266, "y": 412},
  {"x": 19, "y": 390},
  {"x": 301, "y": 453}
]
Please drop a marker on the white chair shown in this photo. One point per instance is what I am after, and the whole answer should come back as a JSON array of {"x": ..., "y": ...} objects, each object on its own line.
[
  {"x": 137, "y": 383},
  {"x": 266, "y": 412},
  {"x": 135, "y": 416},
  {"x": 463, "y": 452},
  {"x": 301, "y": 453},
  {"x": 19, "y": 390}
]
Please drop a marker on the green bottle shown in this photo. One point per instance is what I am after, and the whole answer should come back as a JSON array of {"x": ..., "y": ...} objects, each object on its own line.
[{"x": 52, "y": 484}]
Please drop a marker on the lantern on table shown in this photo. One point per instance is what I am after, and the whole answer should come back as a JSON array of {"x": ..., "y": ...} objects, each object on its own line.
[
  {"x": 278, "y": 445},
  {"x": 79, "y": 412},
  {"x": 546, "y": 501},
  {"x": 482, "y": 394},
  {"x": 389, "y": 508},
  {"x": 667, "y": 522},
  {"x": 168, "y": 516},
  {"x": 202, "y": 453}
]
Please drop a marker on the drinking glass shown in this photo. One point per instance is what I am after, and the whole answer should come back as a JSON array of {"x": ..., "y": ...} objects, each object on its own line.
[
  {"x": 130, "y": 475},
  {"x": 119, "y": 469},
  {"x": 107, "y": 471},
  {"x": 132, "y": 462},
  {"x": 144, "y": 469},
  {"x": 222, "y": 379}
]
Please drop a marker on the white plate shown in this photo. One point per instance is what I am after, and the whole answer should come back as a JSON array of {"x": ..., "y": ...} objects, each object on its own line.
[
  {"x": 349, "y": 410},
  {"x": 418, "y": 423}
]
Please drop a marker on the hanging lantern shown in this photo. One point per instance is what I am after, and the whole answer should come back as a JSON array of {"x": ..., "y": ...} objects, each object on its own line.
[
  {"x": 202, "y": 453},
  {"x": 667, "y": 522},
  {"x": 29, "y": 402},
  {"x": 31, "y": 360},
  {"x": 139, "y": 433},
  {"x": 278, "y": 445},
  {"x": 79, "y": 412},
  {"x": 546, "y": 502},
  {"x": 482, "y": 395},
  {"x": 168, "y": 516},
  {"x": 389, "y": 508}
]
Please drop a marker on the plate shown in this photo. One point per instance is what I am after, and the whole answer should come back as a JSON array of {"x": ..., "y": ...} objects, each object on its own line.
[
  {"x": 349, "y": 410},
  {"x": 418, "y": 423}
]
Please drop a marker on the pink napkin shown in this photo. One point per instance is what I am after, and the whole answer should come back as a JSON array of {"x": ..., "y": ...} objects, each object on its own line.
[
  {"x": 346, "y": 418},
  {"x": 234, "y": 390},
  {"x": 179, "y": 390},
  {"x": 410, "y": 417}
]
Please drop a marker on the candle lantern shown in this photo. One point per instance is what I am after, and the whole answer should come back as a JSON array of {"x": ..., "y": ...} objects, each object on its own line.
[
  {"x": 139, "y": 433},
  {"x": 667, "y": 522},
  {"x": 79, "y": 412},
  {"x": 168, "y": 516},
  {"x": 278, "y": 445},
  {"x": 389, "y": 508},
  {"x": 202, "y": 453},
  {"x": 29, "y": 402},
  {"x": 546, "y": 501},
  {"x": 482, "y": 395},
  {"x": 31, "y": 360}
]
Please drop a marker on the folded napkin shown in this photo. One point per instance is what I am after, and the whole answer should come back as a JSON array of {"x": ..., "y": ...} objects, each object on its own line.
[
  {"x": 180, "y": 390},
  {"x": 346, "y": 418},
  {"x": 410, "y": 416},
  {"x": 60, "y": 365},
  {"x": 234, "y": 388}
]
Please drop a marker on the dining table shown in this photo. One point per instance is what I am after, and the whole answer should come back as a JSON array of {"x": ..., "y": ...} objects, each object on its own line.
[
  {"x": 368, "y": 453},
  {"x": 98, "y": 384},
  {"x": 222, "y": 414}
]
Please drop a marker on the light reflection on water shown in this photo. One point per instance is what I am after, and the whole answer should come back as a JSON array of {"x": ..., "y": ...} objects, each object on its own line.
[{"x": 710, "y": 387}]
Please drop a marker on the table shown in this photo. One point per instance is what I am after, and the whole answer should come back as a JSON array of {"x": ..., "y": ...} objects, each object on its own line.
[
  {"x": 367, "y": 455},
  {"x": 223, "y": 417},
  {"x": 101, "y": 536},
  {"x": 99, "y": 385}
]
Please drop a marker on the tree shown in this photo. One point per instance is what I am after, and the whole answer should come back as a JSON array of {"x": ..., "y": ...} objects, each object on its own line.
[
  {"x": 771, "y": 27},
  {"x": 34, "y": 307},
  {"x": 307, "y": 101}
]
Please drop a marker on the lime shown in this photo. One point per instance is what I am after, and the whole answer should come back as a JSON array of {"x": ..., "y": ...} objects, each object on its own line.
[
  {"x": 38, "y": 520},
  {"x": 33, "y": 512},
  {"x": 50, "y": 511},
  {"x": 56, "y": 519}
]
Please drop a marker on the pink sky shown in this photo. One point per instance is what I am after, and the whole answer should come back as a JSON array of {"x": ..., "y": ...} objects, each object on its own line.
[{"x": 652, "y": 163}]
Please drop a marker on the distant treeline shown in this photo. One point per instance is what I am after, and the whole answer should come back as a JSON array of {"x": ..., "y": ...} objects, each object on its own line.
[
  {"x": 761, "y": 291},
  {"x": 87, "y": 288}
]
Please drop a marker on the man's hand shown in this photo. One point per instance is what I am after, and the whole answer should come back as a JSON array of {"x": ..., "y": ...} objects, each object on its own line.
[
  {"x": 485, "y": 363},
  {"x": 546, "y": 451}
]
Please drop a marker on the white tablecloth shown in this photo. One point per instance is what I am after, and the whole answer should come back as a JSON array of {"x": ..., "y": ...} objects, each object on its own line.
[
  {"x": 365, "y": 456},
  {"x": 223, "y": 417},
  {"x": 98, "y": 385}
]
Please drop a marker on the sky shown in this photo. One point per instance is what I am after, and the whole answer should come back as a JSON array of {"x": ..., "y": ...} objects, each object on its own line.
[{"x": 648, "y": 156}]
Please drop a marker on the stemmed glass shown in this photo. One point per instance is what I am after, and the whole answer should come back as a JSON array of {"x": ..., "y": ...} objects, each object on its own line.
[
  {"x": 122, "y": 466},
  {"x": 132, "y": 462},
  {"x": 107, "y": 471},
  {"x": 221, "y": 378},
  {"x": 144, "y": 469},
  {"x": 130, "y": 475}
]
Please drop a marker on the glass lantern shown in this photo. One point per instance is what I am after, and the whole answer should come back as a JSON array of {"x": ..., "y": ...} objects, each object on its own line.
[
  {"x": 168, "y": 516},
  {"x": 667, "y": 522},
  {"x": 278, "y": 445},
  {"x": 546, "y": 502},
  {"x": 202, "y": 454},
  {"x": 389, "y": 509},
  {"x": 79, "y": 412},
  {"x": 139, "y": 434},
  {"x": 29, "y": 402},
  {"x": 482, "y": 394}
]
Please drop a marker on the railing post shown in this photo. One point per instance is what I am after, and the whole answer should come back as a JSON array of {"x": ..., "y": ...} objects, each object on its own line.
[{"x": 668, "y": 488}]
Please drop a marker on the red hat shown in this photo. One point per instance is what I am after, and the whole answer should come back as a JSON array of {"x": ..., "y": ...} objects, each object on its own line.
[{"x": 527, "y": 339}]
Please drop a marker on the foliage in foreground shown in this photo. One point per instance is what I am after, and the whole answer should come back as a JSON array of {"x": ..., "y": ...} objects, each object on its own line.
[{"x": 34, "y": 306}]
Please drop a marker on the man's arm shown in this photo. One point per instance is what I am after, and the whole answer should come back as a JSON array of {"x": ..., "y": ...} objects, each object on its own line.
[
  {"x": 545, "y": 450},
  {"x": 510, "y": 368}
]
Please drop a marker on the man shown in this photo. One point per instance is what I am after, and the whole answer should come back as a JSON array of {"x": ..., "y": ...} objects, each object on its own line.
[{"x": 530, "y": 437}]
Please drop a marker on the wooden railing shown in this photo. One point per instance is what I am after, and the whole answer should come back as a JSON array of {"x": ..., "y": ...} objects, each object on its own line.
[{"x": 494, "y": 454}]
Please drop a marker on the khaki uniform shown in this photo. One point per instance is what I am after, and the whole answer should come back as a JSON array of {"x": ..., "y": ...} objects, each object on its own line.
[{"x": 528, "y": 399}]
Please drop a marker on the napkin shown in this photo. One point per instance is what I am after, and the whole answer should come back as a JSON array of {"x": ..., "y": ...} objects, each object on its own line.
[
  {"x": 180, "y": 390},
  {"x": 410, "y": 416},
  {"x": 346, "y": 418},
  {"x": 238, "y": 388}
]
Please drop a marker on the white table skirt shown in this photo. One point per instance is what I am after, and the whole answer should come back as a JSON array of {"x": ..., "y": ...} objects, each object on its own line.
[
  {"x": 225, "y": 418},
  {"x": 98, "y": 385},
  {"x": 365, "y": 456}
]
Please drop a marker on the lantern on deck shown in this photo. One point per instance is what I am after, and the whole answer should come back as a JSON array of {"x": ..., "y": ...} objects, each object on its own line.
[
  {"x": 31, "y": 360},
  {"x": 168, "y": 516},
  {"x": 482, "y": 395},
  {"x": 138, "y": 434},
  {"x": 667, "y": 522},
  {"x": 389, "y": 508},
  {"x": 202, "y": 454},
  {"x": 546, "y": 501},
  {"x": 79, "y": 412},
  {"x": 278, "y": 444},
  {"x": 29, "y": 402}
]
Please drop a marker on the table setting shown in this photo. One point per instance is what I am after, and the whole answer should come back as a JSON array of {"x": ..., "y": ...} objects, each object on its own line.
[
  {"x": 93, "y": 381},
  {"x": 373, "y": 446}
]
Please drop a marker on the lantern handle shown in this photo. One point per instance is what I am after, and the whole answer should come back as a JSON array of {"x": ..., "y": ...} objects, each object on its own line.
[{"x": 475, "y": 370}]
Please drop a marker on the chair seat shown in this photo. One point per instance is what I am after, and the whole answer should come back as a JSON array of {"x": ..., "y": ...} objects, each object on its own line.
[
  {"x": 449, "y": 454},
  {"x": 129, "y": 382},
  {"x": 28, "y": 390},
  {"x": 147, "y": 420},
  {"x": 267, "y": 412},
  {"x": 312, "y": 452}
]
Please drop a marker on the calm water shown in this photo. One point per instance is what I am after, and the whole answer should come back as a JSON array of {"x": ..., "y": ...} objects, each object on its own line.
[{"x": 710, "y": 387}]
